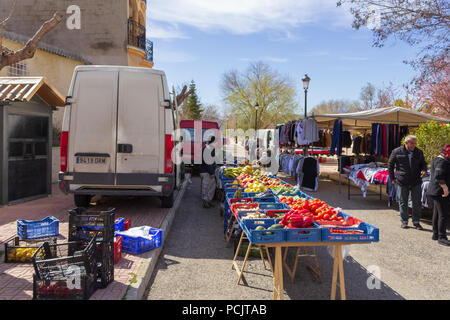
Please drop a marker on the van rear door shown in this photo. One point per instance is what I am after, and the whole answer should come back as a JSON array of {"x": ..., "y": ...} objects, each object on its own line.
[
  {"x": 140, "y": 129},
  {"x": 93, "y": 118}
]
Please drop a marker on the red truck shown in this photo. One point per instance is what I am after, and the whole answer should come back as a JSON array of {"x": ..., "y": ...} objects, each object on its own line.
[{"x": 192, "y": 151}]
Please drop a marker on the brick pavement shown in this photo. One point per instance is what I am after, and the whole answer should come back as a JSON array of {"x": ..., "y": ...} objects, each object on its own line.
[{"x": 16, "y": 280}]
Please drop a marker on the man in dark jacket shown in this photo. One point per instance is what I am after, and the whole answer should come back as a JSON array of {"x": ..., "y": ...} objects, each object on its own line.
[
  {"x": 411, "y": 167},
  {"x": 207, "y": 173}
]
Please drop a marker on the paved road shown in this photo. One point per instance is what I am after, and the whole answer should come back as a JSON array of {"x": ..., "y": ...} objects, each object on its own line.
[{"x": 196, "y": 264}]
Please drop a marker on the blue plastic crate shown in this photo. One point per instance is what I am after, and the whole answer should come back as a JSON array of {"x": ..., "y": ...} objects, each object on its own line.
[
  {"x": 263, "y": 200},
  {"x": 47, "y": 227},
  {"x": 259, "y": 236},
  {"x": 141, "y": 239},
  {"x": 304, "y": 234},
  {"x": 370, "y": 234},
  {"x": 119, "y": 224},
  {"x": 273, "y": 206}
]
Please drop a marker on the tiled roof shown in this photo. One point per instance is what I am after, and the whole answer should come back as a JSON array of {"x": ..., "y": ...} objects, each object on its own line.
[{"x": 25, "y": 88}]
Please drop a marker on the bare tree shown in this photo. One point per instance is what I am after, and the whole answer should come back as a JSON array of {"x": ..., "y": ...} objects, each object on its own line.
[
  {"x": 336, "y": 106},
  {"x": 212, "y": 113},
  {"x": 9, "y": 57},
  {"x": 424, "y": 23},
  {"x": 367, "y": 96}
]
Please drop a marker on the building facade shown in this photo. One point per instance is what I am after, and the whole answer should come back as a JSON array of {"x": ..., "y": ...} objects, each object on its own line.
[
  {"x": 100, "y": 32},
  {"x": 109, "y": 32}
]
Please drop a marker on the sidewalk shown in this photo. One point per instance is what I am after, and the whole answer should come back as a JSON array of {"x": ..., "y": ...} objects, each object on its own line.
[{"x": 16, "y": 280}]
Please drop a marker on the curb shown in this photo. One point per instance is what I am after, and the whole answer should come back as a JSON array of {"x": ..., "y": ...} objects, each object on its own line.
[{"x": 137, "y": 289}]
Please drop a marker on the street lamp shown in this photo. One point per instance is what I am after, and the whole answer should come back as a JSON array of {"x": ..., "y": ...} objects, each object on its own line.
[{"x": 306, "y": 81}]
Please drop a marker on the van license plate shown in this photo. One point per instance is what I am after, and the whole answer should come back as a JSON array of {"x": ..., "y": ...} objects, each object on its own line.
[{"x": 91, "y": 160}]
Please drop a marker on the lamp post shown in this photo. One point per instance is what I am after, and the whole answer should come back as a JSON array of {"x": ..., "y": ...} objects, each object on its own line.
[{"x": 306, "y": 81}]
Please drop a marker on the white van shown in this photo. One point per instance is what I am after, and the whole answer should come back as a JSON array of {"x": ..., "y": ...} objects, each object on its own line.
[{"x": 117, "y": 135}]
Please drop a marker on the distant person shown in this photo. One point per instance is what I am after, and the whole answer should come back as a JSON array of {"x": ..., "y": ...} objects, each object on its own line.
[
  {"x": 438, "y": 190},
  {"x": 411, "y": 167},
  {"x": 207, "y": 173}
]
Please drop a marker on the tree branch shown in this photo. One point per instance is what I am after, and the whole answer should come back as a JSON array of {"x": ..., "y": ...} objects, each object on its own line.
[{"x": 8, "y": 57}]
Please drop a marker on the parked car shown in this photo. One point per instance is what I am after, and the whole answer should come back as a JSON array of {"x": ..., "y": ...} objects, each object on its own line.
[
  {"x": 189, "y": 148},
  {"x": 117, "y": 135}
]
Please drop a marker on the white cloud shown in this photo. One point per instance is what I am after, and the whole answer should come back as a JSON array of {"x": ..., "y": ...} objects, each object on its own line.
[
  {"x": 159, "y": 31},
  {"x": 347, "y": 58},
  {"x": 276, "y": 60},
  {"x": 246, "y": 16},
  {"x": 172, "y": 56},
  {"x": 270, "y": 59}
]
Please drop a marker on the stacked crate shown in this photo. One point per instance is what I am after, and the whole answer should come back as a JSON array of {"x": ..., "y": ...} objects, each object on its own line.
[{"x": 82, "y": 224}]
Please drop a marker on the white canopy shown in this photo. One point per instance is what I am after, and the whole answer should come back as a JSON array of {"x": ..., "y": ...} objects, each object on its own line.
[{"x": 364, "y": 119}]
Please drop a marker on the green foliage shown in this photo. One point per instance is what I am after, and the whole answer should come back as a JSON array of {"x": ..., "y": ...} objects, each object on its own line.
[
  {"x": 431, "y": 138},
  {"x": 193, "y": 107}
]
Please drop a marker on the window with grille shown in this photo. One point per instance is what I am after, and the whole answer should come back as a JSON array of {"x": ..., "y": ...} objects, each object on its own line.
[{"x": 18, "y": 69}]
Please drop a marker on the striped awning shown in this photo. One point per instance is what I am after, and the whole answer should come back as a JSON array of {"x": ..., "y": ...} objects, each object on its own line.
[{"x": 25, "y": 88}]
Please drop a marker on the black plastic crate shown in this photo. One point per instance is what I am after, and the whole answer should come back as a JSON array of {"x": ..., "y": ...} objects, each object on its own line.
[
  {"x": 83, "y": 224},
  {"x": 61, "y": 288},
  {"x": 22, "y": 251},
  {"x": 51, "y": 261}
]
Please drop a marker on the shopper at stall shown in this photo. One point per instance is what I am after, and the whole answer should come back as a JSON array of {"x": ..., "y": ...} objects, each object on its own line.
[
  {"x": 207, "y": 171},
  {"x": 438, "y": 189},
  {"x": 410, "y": 166}
]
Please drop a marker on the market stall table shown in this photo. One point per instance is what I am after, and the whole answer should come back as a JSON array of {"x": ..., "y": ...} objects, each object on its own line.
[{"x": 277, "y": 269}]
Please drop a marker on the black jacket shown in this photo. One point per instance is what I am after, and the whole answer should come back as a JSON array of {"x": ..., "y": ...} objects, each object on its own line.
[
  {"x": 208, "y": 168},
  {"x": 406, "y": 175},
  {"x": 440, "y": 174}
]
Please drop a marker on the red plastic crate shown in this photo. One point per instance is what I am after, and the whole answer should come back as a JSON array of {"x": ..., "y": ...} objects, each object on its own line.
[
  {"x": 126, "y": 224},
  {"x": 117, "y": 249}
]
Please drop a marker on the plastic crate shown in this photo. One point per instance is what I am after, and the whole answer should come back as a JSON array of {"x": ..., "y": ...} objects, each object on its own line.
[
  {"x": 83, "y": 224},
  {"x": 263, "y": 200},
  {"x": 22, "y": 251},
  {"x": 273, "y": 206},
  {"x": 54, "y": 261},
  {"x": 273, "y": 213},
  {"x": 304, "y": 234},
  {"x": 260, "y": 236},
  {"x": 243, "y": 214},
  {"x": 127, "y": 224},
  {"x": 243, "y": 206},
  {"x": 141, "y": 239},
  {"x": 64, "y": 288},
  {"x": 117, "y": 249},
  {"x": 45, "y": 228},
  {"x": 119, "y": 224},
  {"x": 368, "y": 233}
]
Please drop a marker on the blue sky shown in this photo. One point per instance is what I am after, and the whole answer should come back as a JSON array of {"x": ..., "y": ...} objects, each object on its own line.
[{"x": 202, "y": 39}]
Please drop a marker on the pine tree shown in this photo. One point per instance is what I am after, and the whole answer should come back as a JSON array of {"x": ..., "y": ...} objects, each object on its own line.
[{"x": 193, "y": 106}]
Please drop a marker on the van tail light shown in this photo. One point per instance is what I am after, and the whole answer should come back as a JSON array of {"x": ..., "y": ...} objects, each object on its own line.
[
  {"x": 64, "y": 150},
  {"x": 169, "y": 147}
]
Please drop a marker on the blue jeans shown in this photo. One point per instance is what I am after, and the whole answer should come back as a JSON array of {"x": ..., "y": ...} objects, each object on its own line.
[{"x": 416, "y": 196}]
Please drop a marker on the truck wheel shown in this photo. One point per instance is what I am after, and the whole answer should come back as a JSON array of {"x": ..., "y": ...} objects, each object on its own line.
[
  {"x": 167, "y": 201},
  {"x": 82, "y": 200}
]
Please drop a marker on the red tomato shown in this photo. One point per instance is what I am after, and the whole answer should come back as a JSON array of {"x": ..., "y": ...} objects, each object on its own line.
[{"x": 326, "y": 216}]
